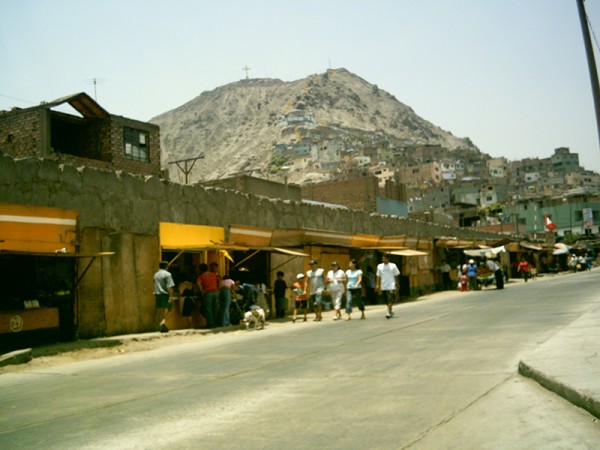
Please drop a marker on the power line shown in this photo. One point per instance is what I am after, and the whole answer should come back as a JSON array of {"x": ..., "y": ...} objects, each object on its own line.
[{"x": 18, "y": 99}]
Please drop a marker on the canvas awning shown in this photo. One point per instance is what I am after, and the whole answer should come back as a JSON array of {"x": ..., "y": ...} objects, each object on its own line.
[
  {"x": 250, "y": 236},
  {"x": 319, "y": 237},
  {"x": 365, "y": 240},
  {"x": 36, "y": 229},
  {"x": 530, "y": 246},
  {"x": 177, "y": 236},
  {"x": 561, "y": 249},
  {"x": 287, "y": 251},
  {"x": 487, "y": 252},
  {"x": 392, "y": 242},
  {"x": 453, "y": 243},
  {"x": 408, "y": 252},
  {"x": 287, "y": 237}
]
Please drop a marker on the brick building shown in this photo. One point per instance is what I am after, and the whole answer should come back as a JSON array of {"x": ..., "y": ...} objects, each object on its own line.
[
  {"x": 93, "y": 137},
  {"x": 355, "y": 193}
]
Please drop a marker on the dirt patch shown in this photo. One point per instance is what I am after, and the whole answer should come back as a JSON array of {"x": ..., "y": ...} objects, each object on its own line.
[{"x": 54, "y": 355}]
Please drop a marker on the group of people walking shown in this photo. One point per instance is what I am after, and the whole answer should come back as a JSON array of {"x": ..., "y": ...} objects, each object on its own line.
[
  {"x": 345, "y": 288},
  {"x": 309, "y": 289}
]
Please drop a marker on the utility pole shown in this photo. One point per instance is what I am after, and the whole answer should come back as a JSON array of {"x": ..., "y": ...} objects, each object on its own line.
[
  {"x": 591, "y": 61},
  {"x": 187, "y": 167}
]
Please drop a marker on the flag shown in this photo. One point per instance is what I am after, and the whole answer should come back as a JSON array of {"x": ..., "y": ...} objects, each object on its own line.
[{"x": 549, "y": 225}]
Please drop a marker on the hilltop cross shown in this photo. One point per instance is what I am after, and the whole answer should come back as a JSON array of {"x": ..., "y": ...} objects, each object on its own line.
[{"x": 246, "y": 69}]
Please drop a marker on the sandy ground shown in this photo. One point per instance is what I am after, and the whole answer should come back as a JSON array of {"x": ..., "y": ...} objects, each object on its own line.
[
  {"x": 53, "y": 355},
  {"x": 61, "y": 353}
]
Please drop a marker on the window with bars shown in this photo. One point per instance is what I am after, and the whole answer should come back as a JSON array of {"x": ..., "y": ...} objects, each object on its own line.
[{"x": 136, "y": 144}]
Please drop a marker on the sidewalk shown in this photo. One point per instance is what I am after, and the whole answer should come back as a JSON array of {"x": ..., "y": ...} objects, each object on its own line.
[{"x": 569, "y": 363}]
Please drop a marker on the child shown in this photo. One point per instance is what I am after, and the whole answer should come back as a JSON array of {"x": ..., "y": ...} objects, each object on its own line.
[
  {"x": 463, "y": 281},
  {"x": 279, "y": 288},
  {"x": 300, "y": 301}
]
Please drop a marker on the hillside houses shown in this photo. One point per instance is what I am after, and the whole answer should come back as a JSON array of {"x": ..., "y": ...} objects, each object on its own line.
[{"x": 457, "y": 187}]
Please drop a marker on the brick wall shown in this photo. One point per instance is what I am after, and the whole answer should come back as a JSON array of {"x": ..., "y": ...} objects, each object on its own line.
[
  {"x": 27, "y": 132},
  {"x": 21, "y": 133},
  {"x": 355, "y": 193}
]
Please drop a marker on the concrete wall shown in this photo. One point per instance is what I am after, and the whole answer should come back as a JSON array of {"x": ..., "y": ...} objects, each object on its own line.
[
  {"x": 121, "y": 212},
  {"x": 257, "y": 186}
]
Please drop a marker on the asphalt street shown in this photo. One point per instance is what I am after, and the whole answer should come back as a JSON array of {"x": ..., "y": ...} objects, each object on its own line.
[{"x": 442, "y": 374}]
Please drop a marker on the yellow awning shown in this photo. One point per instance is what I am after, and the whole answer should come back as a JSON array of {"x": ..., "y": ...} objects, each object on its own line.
[{"x": 178, "y": 236}]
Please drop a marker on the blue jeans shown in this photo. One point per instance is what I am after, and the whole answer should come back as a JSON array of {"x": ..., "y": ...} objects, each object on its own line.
[
  {"x": 225, "y": 302},
  {"x": 356, "y": 296},
  {"x": 210, "y": 300}
]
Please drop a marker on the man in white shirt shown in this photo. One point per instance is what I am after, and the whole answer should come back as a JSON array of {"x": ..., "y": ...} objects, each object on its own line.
[
  {"x": 388, "y": 282},
  {"x": 497, "y": 271}
]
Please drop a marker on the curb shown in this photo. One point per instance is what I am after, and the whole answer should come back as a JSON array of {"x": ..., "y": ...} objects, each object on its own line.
[
  {"x": 572, "y": 395},
  {"x": 16, "y": 357}
]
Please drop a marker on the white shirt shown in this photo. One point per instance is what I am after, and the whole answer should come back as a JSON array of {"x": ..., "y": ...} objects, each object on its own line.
[
  {"x": 492, "y": 265},
  {"x": 338, "y": 277},
  {"x": 316, "y": 282},
  {"x": 387, "y": 274}
]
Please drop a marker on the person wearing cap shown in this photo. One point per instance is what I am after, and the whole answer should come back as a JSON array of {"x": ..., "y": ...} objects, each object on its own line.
[
  {"x": 336, "y": 284},
  {"x": 163, "y": 291},
  {"x": 472, "y": 275},
  {"x": 315, "y": 285},
  {"x": 388, "y": 282},
  {"x": 300, "y": 302}
]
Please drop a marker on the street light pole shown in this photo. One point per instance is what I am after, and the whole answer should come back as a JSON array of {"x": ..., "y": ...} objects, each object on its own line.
[{"x": 589, "y": 50}]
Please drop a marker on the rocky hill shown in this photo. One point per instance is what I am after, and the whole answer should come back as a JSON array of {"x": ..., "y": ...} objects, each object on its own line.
[{"x": 237, "y": 127}]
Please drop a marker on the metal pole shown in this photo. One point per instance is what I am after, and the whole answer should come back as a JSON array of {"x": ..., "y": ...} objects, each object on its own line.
[
  {"x": 591, "y": 62},
  {"x": 570, "y": 219}
]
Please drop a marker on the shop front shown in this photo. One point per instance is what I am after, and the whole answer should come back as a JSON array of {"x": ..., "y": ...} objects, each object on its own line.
[
  {"x": 39, "y": 275},
  {"x": 187, "y": 247}
]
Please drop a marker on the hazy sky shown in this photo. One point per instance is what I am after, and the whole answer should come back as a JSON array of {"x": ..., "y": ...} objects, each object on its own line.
[{"x": 510, "y": 74}]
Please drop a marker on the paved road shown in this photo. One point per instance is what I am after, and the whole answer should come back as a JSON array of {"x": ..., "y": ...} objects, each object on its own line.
[{"x": 442, "y": 374}]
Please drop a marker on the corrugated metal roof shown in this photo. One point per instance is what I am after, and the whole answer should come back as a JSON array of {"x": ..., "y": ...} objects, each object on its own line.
[{"x": 84, "y": 104}]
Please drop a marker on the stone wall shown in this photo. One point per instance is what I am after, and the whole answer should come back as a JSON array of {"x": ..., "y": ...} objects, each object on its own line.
[{"x": 120, "y": 213}]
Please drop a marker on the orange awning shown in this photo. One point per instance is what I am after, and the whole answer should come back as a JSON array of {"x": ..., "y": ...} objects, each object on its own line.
[
  {"x": 319, "y": 237},
  {"x": 36, "y": 229},
  {"x": 365, "y": 240},
  {"x": 392, "y": 242}
]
